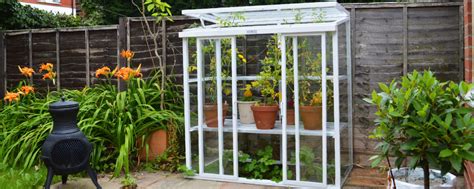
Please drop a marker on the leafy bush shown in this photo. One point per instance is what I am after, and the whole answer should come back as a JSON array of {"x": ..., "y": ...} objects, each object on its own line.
[
  {"x": 112, "y": 120},
  {"x": 17, "y": 16},
  {"x": 424, "y": 121},
  {"x": 263, "y": 166}
]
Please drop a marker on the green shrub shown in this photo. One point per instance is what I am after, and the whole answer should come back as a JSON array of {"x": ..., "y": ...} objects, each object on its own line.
[
  {"x": 112, "y": 120},
  {"x": 17, "y": 16},
  {"x": 424, "y": 121}
]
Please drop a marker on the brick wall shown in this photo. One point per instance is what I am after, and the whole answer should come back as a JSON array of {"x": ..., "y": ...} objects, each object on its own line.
[{"x": 468, "y": 67}]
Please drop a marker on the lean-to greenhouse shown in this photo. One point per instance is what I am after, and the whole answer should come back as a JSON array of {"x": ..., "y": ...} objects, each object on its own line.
[{"x": 268, "y": 94}]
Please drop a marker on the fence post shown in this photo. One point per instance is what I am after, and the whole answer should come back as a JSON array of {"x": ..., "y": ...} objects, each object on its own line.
[
  {"x": 405, "y": 40},
  {"x": 121, "y": 43},
  {"x": 3, "y": 61},
  {"x": 461, "y": 44},
  {"x": 58, "y": 62},
  {"x": 30, "y": 52},
  {"x": 88, "y": 74}
]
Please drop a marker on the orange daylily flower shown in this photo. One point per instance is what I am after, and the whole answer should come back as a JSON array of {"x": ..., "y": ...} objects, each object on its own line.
[
  {"x": 126, "y": 73},
  {"x": 11, "y": 97},
  {"x": 49, "y": 75},
  {"x": 46, "y": 67},
  {"x": 27, "y": 89},
  {"x": 128, "y": 54},
  {"x": 105, "y": 71},
  {"x": 26, "y": 71}
]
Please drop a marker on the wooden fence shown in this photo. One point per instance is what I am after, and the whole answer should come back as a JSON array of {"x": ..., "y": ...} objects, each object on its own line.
[{"x": 388, "y": 41}]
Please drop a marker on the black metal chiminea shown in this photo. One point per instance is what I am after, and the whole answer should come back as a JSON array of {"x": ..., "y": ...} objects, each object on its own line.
[{"x": 66, "y": 150}]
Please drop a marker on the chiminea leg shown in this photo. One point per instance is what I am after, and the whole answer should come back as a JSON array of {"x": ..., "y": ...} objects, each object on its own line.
[
  {"x": 64, "y": 179},
  {"x": 93, "y": 176},
  {"x": 49, "y": 178}
]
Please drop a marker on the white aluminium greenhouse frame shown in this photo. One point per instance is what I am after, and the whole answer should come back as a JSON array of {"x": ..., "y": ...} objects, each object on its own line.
[{"x": 272, "y": 19}]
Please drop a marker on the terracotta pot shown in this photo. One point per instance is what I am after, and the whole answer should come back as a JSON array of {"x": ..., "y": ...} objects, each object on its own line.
[
  {"x": 469, "y": 174},
  {"x": 157, "y": 145},
  {"x": 312, "y": 117},
  {"x": 210, "y": 114},
  {"x": 129, "y": 187},
  {"x": 265, "y": 116},
  {"x": 245, "y": 112},
  {"x": 290, "y": 117}
]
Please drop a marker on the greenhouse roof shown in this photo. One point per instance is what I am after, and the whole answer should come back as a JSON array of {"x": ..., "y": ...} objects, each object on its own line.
[{"x": 267, "y": 19}]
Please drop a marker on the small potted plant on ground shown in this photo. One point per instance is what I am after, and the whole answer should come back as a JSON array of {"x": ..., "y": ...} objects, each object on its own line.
[
  {"x": 128, "y": 182},
  {"x": 425, "y": 122},
  {"x": 265, "y": 113},
  {"x": 245, "y": 112}
]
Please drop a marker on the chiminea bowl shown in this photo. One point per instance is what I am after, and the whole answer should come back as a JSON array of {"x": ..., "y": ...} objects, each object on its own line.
[{"x": 66, "y": 150}]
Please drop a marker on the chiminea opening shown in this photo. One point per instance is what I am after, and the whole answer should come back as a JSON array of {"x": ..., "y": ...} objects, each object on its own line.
[{"x": 66, "y": 150}]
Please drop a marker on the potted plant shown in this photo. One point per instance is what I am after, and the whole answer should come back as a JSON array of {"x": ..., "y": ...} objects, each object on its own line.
[
  {"x": 425, "y": 122},
  {"x": 311, "y": 91},
  {"x": 265, "y": 113},
  {"x": 245, "y": 112},
  {"x": 311, "y": 113},
  {"x": 128, "y": 182},
  {"x": 210, "y": 108}
]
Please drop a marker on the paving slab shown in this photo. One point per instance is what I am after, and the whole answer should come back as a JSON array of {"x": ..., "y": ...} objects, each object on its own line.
[
  {"x": 158, "y": 180},
  {"x": 359, "y": 178}
]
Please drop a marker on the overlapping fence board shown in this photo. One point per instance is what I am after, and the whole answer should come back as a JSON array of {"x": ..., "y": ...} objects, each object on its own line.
[{"x": 386, "y": 39}]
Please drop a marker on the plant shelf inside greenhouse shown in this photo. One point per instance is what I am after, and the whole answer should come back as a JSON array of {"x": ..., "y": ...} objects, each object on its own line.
[
  {"x": 268, "y": 95},
  {"x": 250, "y": 128}
]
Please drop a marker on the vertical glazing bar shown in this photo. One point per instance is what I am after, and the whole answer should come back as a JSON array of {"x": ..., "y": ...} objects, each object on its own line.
[
  {"x": 297, "y": 107},
  {"x": 200, "y": 104},
  {"x": 187, "y": 113},
  {"x": 219, "y": 105},
  {"x": 283, "y": 105},
  {"x": 234, "y": 107},
  {"x": 324, "y": 109},
  {"x": 349, "y": 90},
  {"x": 337, "y": 143}
]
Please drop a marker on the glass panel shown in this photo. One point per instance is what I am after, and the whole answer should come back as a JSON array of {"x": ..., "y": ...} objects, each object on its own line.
[
  {"x": 311, "y": 158},
  {"x": 331, "y": 164},
  {"x": 310, "y": 85},
  {"x": 260, "y": 156},
  {"x": 342, "y": 50},
  {"x": 193, "y": 104},
  {"x": 210, "y": 134},
  {"x": 344, "y": 100}
]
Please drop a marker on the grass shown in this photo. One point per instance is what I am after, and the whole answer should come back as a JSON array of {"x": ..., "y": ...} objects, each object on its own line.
[{"x": 13, "y": 178}]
